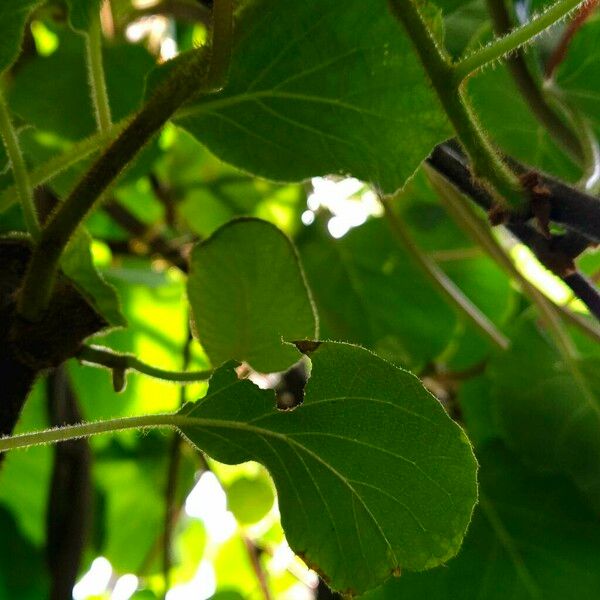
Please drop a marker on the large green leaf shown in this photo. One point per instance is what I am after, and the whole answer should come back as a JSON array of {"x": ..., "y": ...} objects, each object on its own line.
[
  {"x": 531, "y": 538},
  {"x": 320, "y": 87},
  {"x": 372, "y": 475},
  {"x": 13, "y": 16},
  {"x": 548, "y": 409},
  {"x": 248, "y": 296}
]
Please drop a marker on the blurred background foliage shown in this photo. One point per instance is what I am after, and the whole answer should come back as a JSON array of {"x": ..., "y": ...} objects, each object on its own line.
[{"x": 222, "y": 522}]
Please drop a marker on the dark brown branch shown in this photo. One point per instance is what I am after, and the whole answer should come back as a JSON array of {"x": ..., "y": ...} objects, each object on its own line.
[
  {"x": 157, "y": 244},
  {"x": 447, "y": 161},
  {"x": 171, "y": 509}
]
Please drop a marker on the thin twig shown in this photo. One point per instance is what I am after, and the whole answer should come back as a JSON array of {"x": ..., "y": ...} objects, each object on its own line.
[
  {"x": 443, "y": 283},
  {"x": 254, "y": 556},
  {"x": 121, "y": 363}
]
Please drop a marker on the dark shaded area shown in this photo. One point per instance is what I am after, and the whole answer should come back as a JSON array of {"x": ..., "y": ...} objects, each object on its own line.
[
  {"x": 68, "y": 513},
  {"x": 28, "y": 349}
]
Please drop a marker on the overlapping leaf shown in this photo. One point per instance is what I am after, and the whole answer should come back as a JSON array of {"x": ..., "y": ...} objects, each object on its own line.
[
  {"x": 372, "y": 475},
  {"x": 248, "y": 295},
  {"x": 320, "y": 87},
  {"x": 531, "y": 538}
]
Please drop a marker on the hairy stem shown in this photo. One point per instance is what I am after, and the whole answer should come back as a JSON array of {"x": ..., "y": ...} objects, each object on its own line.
[
  {"x": 190, "y": 76},
  {"x": 76, "y": 153},
  {"x": 96, "y": 75},
  {"x": 531, "y": 91},
  {"x": 105, "y": 357},
  {"x": 22, "y": 182},
  {"x": 443, "y": 283},
  {"x": 83, "y": 430},
  {"x": 487, "y": 165},
  {"x": 514, "y": 40}
]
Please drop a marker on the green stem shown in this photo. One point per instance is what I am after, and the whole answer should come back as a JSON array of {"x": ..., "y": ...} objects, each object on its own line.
[
  {"x": 76, "y": 153},
  {"x": 487, "y": 164},
  {"x": 189, "y": 77},
  {"x": 22, "y": 183},
  {"x": 96, "y": 75},
  {"x": 517, "y": 38},
  {"x": 73, "y": 432},
  {"x": 443, "y": 283},
  {"x": 105, "y": 357}
]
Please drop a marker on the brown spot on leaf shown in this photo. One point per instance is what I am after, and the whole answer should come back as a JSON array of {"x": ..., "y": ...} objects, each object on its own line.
[{"x": 307, "y": 346}]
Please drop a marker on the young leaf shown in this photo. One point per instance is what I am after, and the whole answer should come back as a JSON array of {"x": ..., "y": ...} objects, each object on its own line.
[
  {"x": 248, "y": 294},
  {"x": 78, "y": 265},
  {"x": 372, "y": 475},
  {"x": 531, "y": 537},
  {"x": 13, "y": 16},
  {"x": 320, "y": 87}
]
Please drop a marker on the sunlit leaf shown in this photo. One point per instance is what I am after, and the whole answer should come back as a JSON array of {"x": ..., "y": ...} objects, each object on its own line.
[
  {"x": 248, "y": 294},
  {"x": 78, "y": 264},
  {"x": 249, "y": 499}
]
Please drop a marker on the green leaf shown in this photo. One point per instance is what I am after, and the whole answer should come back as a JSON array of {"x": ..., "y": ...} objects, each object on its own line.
[
  {"x": 497, "y": 101},
  {"x": 13, "y": 17},
  {"x": 578, "y": 76},
  {"x": 531, "y": 538},
  {"x": 317, "y": 87},
  {"x": 549, "y": 411},
  {"x": 368, "y": 291},
  {"x": 372, "y": 475},
  {"x": 81, "y": 13},
  {"x": 77, "y": 263},
  {"x": 52, "y": 93},
  {"x": 248, "y": 294},
  {"x": 23, "y": 572},
  {"x": 25, "y": 476},
  {"x": 249, "y": 499}
]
